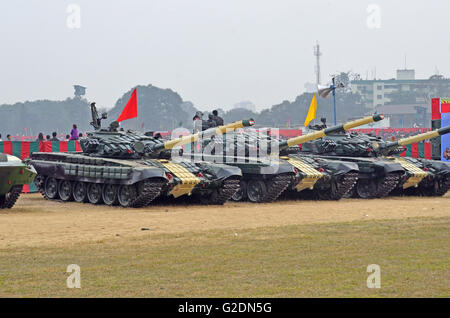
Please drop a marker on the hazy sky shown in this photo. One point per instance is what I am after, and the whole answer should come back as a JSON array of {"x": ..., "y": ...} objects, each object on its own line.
[{"x": 213, "y": 53}]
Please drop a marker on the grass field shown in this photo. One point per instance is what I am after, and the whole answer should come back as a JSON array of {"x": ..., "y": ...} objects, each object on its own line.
[{"x": 309, "y": 260}]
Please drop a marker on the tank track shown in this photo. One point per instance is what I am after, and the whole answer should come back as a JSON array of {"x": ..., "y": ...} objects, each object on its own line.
[
  {"x": 39, "y": 181},
  {"x": 10, "y": 199},
  {"x": 149, "y": 190},
  {"x": 344, "y": 185},
  {"x": 388, "y": 184},
  {"x": 226, "y": 191},
  {"x": 431, "y": 191},
  {"x": 277, "y": 186},
  {"x": 444, "y": 189}
]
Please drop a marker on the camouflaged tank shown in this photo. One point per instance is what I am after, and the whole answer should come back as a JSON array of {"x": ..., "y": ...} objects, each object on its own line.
[
  {"x": 13, "y": 175},
  {"x": 379, "y": 172},
  {"x": 422, "y": 177},
  {"x": 131, "y": 169},
  {"x": 266, "y": 175}
]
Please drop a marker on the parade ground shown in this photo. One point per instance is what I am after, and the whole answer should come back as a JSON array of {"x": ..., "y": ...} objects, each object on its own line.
[{"x": 281, "y": 249}]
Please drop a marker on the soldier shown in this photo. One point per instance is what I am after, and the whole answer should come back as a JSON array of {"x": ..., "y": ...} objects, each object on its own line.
[
  {"x": 217, "y": 118},
  {"x": 199, "y": 123},
  {"x": 211, "y": 121}
]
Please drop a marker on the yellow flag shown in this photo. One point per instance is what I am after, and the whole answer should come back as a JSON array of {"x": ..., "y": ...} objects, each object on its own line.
[{"x": 312, "y": 110}]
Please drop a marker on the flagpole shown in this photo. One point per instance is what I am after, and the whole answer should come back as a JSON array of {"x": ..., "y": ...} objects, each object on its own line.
[{"x": 334, "y": 100}]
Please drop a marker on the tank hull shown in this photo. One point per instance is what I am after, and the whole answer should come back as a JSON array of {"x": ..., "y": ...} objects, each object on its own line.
[
  {"x": 434, "y": 178},
  {"x": 129, "y": 182},
  {"x": 330, "y": 179},
  {"x": 377, "y": 177}
]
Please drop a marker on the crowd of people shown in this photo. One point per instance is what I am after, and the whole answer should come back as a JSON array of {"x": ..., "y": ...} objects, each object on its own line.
[{"x": 74, "y": 135}]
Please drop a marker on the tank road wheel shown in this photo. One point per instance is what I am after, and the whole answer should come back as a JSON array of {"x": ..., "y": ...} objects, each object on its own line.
[
  {"x": 94, "y": 193},
  {"x": 79, "y": 192},
  {"x": 51, "y": 188},
  {"x": 65, "y": 190},
  {"x": 440, "y": 187},
  {"x": 109, "y": 194},
  {"x": 366, "y": 189},
  {"x": 328, "y": 194},
  {"x": 126, "y": 195},
  {"x": 240, "y": 194},
  {"x": 8, "y": 200},
  {"x": 256, "y": 190}
]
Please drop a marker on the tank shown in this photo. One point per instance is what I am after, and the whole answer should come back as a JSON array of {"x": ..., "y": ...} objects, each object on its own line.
[
  {"x": 266, "y": 175},
  {"x": 131, "y": 169},
  {"x": 379, "y": 172},
  {"x": 13, "y": 175},
  {"x": 423, "y": 177},
  {"x": 333, "y": 179}
]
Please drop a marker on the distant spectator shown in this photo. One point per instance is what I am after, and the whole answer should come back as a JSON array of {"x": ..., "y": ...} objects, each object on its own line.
[
  {"x": 47, "y": 137},
  {"x": 8, "y": 137},
  {"x": 74, "y": 133},
  {"x": 54, "y": 138},
  {"x": 67, "y": 137},
  {"x": 1, "y": 137},
  {"x": 40, "y": 137},
  {"x": 80, "y": 135}
]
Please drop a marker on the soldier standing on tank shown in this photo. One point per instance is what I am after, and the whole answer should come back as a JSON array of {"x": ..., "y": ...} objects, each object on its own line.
[
  {"x": 217, "y": 118},
  {"x": 199, "y": 123},
  {"x": 211, "y": 121}
]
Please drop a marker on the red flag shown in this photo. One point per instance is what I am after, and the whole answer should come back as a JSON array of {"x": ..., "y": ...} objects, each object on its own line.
[{"x": 130, "y": 109}]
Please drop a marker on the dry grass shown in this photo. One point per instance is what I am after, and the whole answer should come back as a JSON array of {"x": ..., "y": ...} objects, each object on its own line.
[
  {"x": 37, "y": 222},
  {"x": 313, "y": 260}
]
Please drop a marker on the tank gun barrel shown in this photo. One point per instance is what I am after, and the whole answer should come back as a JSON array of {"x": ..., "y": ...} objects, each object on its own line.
[
  {"x": 321, "y": 133},
  {"x": 417, "y": 138},
  {"x": 219, "y": 130}
]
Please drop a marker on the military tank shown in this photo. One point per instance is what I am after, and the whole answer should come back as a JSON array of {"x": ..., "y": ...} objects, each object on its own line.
[
  {"x": 13, "y": 175},
  {"x": 266, "y": 175},
  {"x": 422, "y": 177},
  {"x": 131, "y": 169},
  {"x": 379, "y": 174}
]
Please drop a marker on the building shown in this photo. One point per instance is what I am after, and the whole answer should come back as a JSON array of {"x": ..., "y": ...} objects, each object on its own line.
[
  {"x": 404, "y": 99},
  {"x": 404, "y": 89},
  {"x": 406, "y": 116}
]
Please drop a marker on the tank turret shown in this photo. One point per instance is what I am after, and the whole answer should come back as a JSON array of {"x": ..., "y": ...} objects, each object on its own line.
[
  {"x": 330, "y": 130},
  {"x": 133, "y": 145},
  {"x": 394, "y": 147},
  {"x": 149, "y": 148}
]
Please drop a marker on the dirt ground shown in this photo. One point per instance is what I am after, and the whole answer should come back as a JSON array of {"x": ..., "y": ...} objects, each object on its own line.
[{"x": 35, "y": 221}]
